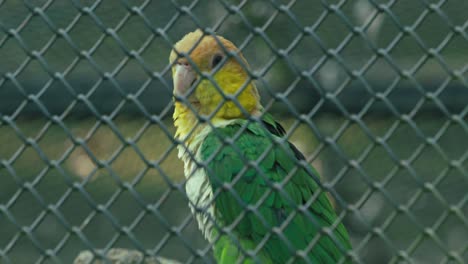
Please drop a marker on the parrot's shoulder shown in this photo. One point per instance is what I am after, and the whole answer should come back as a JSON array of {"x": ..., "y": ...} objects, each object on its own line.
[
  {"x": 265, "y": 127},
  {"x": 242, "y": 133},
  {"x": 260, "y": 126}
]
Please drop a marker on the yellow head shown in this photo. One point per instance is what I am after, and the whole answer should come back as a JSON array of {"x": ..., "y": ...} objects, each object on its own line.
[{"x": 207, "y": 97}]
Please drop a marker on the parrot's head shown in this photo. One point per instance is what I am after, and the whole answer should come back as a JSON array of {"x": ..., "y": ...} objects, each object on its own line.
[{"x": 211, "y": 80}]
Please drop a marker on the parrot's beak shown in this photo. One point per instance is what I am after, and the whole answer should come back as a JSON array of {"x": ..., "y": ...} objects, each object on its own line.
[{"x": 184, "y": 78}]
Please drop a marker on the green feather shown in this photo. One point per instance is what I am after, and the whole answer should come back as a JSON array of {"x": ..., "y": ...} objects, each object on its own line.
[{"x": 275, "y": 209}]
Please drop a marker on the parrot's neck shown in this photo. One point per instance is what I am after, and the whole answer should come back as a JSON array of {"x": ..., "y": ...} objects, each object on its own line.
[
  {"x": 189, "y": 127},
  {"x": 185, "y": 122},
  {"x": 210, "y": 101}
]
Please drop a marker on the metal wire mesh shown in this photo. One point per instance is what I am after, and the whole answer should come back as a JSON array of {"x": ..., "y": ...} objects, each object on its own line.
[{"x": 374, "y": 93}]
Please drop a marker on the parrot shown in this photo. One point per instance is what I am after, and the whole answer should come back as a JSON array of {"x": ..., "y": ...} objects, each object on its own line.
[{"x": 251, "y": 191}]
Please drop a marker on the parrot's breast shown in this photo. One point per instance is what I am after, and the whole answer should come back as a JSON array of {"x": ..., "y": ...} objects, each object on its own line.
[{"x": 198, "y": 187}]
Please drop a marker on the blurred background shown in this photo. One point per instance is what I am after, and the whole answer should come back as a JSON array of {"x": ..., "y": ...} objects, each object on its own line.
[{"x": 375, "y": 93}]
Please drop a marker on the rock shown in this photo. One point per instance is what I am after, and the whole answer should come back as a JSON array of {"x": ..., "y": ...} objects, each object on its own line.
[{"x": 120, "y": 256}]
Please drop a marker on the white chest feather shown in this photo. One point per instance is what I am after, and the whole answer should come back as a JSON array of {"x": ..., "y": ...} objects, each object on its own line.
[{"x": 197, "y": 186}]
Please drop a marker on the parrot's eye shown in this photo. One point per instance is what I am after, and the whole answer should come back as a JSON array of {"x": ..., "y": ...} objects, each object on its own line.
[{"x": 216, "y": 60}]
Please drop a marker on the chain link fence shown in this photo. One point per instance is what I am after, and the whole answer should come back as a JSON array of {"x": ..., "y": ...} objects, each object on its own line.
[{"x": 374, "y": 93}]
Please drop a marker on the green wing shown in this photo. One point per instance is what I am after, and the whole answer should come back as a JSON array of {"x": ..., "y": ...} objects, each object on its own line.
[{"x": 273, "y": 207}]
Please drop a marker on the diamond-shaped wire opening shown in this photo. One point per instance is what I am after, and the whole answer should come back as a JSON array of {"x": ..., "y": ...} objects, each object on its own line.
[
  {"x": 23, "y": 250},
  {"x": 79, "y": 164},
  {"x": 428, "y": 245},
  {"x": 83, "y": 32},
  {"x": 10, "y": 232},
  {"x": 50, "y": 233},
  {"x": 449, "y": 94},
  {"x": 448, "y": 142},
  {"x": 25, "y": 156},
  {"x": 100, "y": 229}
]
